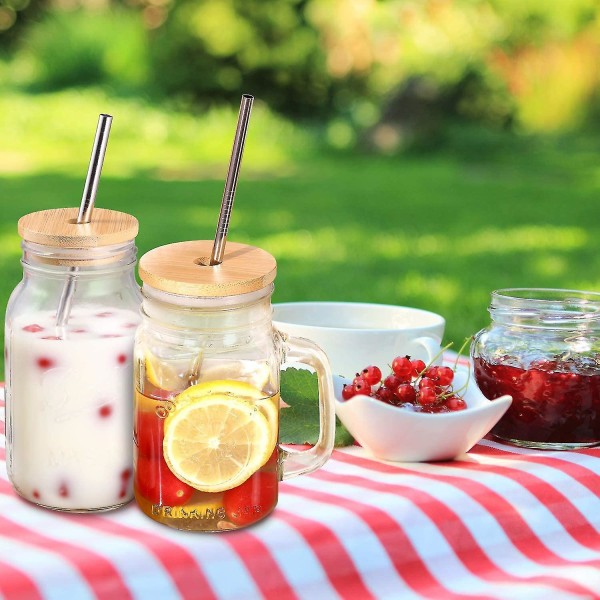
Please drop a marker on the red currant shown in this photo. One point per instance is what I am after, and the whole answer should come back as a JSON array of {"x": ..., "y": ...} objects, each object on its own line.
[
  {"x": 105, "y": 411},
  {"x": 405, "y": 392},
  {"x": 431, "y": 373},
  {"x": 156, "y": 482},
  {"x": 426, "y": 382},
  {"x": 427, "y": 396},
  {"x": 455, "y": 403},
  {"x": 412, "y": 385},
  {"x": 253, "y": 499},
  {"x": 385, "y": 394},
  {"x": 361, "y": 386},
  {"x": 148, "y": 433},
  {"x": 392, "y": 382},
  {"x": 45, "y": 363},
  {"x": 348, "y": 391},
  {"x": 358, "y": 377},
  {"x": 402, "y": 367},
  {"x": 418, "y": 367},
  {"x": 445, "y": 375},
  {"x": 372, "y": 374}
]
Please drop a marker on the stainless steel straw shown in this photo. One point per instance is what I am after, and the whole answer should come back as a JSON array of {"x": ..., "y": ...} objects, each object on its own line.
[
  {"x": 231, "y": 181},
  {"x": 85, "y": 209}
]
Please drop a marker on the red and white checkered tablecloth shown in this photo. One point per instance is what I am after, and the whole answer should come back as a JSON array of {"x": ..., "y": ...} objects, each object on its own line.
[{"x": 501, "y": 522}]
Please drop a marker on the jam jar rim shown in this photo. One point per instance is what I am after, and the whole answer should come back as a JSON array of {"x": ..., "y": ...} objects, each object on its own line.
[{"x": 546, "y": 307}]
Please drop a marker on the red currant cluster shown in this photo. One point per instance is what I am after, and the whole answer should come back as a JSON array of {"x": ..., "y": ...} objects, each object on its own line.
[{"x": 411, "y": 385}]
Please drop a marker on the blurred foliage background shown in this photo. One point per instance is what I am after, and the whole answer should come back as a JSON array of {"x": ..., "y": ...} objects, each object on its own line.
[
  {"x": 418, "y": 152},
  {"x": 376, "y": 70}
]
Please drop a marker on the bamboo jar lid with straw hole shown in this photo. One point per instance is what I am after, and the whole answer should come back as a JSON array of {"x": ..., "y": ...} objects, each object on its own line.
[
  {"x": 59, "y": 228},
  {"x": 184, "y": 268},
  {"x": 213, "y": 268}
]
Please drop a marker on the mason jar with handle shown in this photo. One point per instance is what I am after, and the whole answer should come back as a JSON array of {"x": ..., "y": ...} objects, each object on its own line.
[{"x": 207, "y": 370}]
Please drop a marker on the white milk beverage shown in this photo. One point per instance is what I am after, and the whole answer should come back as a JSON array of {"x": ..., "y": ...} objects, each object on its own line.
[
  {"x": 69, "y": 385},
  {"x": 72, "y": 444}
]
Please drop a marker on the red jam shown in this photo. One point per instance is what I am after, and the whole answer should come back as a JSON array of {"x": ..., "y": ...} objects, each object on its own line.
[{"x": 554, "y": 401}]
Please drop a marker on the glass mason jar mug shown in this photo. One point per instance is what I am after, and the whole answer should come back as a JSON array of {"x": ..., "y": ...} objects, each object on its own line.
[
  {"x": 207, "y": 367},
  {"x": 543, "y": 348},
  {"x": 68, "y": 380}
]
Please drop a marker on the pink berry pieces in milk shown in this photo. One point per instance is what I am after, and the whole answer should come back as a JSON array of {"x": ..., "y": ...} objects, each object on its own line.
[{"x": 71, "y": 407}]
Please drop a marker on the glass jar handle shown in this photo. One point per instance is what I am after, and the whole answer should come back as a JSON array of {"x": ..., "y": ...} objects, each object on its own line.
[{"x": 299, "y": 462}]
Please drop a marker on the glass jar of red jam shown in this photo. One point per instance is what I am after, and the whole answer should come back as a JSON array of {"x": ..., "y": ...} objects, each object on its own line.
[{"x": 543, "y": 349}]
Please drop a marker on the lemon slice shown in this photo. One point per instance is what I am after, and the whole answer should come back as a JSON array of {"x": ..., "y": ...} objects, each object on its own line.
[
  {"x": 231, "y": 387},
  {"x": 167, "y": 376},
  {"x": 216, "y": 442},
  {"x": 161, "y": 375},
  {"x": 234, "y": 388}
]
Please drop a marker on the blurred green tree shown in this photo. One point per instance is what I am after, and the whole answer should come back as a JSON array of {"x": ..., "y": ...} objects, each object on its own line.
[
  {"x": 216, "y": 49},
  {"x": 15, "y": 16},
  {"x": 386, "y": 68},
  {"x": 76, "y": 48}
]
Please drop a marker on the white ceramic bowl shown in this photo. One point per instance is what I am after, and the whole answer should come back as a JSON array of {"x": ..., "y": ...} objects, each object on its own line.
[
  {"x": 391, "y": 433},
  {"x": 357, "y": 334}
]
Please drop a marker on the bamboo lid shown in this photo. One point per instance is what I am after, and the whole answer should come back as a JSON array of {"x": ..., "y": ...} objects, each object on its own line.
[
  {"x": 183, "y": 268},
  {"x": 58, "y": 227}
]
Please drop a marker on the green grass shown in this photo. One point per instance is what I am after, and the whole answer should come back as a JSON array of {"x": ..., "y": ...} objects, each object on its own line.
[{"x": 438, "y": 231}]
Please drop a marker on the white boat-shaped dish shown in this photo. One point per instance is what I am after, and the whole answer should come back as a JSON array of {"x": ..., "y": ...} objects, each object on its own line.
[{"x": 397, "y": 434}]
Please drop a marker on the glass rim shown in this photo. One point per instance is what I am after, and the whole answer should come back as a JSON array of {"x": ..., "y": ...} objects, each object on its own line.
[
  {"x": 188, "y": 301},
  {"x": 538, "y": 294},
  {"x": 550, "y": 307},
  {"x": 49, "y": 258}
]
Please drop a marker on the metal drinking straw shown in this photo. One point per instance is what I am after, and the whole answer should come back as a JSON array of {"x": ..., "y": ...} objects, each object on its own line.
[
  {"x": 85, "y": 209},
  {"x": 235, "y": 161}
]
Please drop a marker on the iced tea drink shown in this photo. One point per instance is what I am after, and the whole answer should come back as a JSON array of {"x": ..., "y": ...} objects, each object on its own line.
[
  {"x": 207, "y": 368},
  {"x": 207, "y": 456}
]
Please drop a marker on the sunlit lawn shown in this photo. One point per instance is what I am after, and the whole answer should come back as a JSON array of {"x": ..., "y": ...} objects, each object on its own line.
[{"x": 438, "y": 231}]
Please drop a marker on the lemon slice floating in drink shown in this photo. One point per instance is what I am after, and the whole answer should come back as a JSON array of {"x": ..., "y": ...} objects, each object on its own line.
[
  {"x": 165, "y": 375},
  {"x": 237, "y": 389},
  {"x": 215, "y": 441}
]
